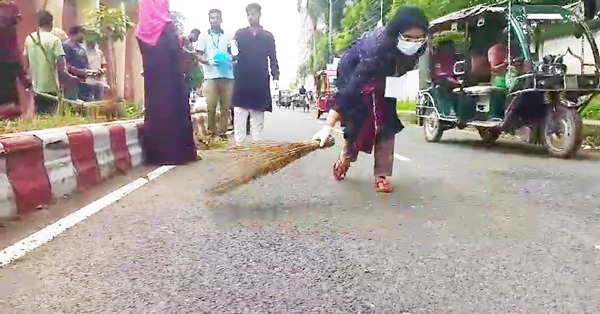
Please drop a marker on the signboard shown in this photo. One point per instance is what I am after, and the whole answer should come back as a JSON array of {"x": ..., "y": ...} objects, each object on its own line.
[{"x": 404, "y": 88}]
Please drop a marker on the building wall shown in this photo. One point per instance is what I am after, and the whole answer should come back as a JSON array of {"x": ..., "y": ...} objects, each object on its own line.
[
  {"x": 306, "y": 33},
  {"x": 579, "y": 47}
]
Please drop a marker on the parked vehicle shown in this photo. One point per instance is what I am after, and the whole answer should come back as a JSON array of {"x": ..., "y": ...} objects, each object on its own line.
[
  {"x": 284, "y": 99},
  {"x": 326, "y": 89},
  {"x": 538, "y": 96}
]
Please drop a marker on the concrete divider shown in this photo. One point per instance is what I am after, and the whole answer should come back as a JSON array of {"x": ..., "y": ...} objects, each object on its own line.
[{"x": 38, "y": 167}]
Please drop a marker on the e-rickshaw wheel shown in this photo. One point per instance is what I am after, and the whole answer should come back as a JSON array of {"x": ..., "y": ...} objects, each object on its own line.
[
  {"x": 432, "y": 127},
  {"x": 563, "y": 132},
  {"x": 489, "y": 135}
]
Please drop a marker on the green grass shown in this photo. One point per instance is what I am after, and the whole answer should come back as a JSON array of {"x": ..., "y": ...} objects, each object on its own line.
[
  {"x": 405, "y": 106},
  {"x": 592, "y": 111}
]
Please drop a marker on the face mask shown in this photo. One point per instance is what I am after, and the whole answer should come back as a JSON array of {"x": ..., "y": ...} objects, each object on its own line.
[{"x": 409, "y": 48}]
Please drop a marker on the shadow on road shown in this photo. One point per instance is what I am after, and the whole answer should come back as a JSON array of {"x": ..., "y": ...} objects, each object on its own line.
[{"x": 515, "y": 148}]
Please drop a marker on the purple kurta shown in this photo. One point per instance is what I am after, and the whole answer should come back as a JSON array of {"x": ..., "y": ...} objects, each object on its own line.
[
  {"x": 350, "y": 101},
  {"x": 252, "y": 88},
  {"x": 168, "y": 133}
]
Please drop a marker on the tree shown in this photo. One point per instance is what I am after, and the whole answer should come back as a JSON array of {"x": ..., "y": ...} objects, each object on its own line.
[
  {"x": 109, "y": 25},
  {"x": 358, "y": 18},
  {"x": 178, "y": 20},
  {"x": 437, "y": 8},
  {"x": 318, "y": 10}
]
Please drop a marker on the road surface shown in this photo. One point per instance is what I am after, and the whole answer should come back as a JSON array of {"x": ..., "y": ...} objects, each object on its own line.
[{"x": 470, "y": 229}]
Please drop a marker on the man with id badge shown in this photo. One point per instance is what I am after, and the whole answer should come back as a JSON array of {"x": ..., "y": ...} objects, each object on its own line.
[{"x": 213, "y": 47}]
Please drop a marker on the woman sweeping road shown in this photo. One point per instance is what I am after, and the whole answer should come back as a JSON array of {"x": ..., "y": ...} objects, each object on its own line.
[
  {"x": 168, "y": 133},
  {"x": 370, "y": 119}
]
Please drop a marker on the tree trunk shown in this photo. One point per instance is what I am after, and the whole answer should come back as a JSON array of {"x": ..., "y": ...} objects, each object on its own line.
[{"x": 108, "y": 48}]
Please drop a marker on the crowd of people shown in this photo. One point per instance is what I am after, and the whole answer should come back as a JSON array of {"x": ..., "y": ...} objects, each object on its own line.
[
  {"x": 237, "y": 70},
  {"x": 236, "y": 73},
  {"x": 54, "y": 63}
]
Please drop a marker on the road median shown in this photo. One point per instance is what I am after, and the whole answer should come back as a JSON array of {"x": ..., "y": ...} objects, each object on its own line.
[{"x": 39, "y": 167}]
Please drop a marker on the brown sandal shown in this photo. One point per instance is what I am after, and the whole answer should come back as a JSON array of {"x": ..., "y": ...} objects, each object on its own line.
[
  {"x": 340, "y": 168},
  {"x": 382, "y": 185}
]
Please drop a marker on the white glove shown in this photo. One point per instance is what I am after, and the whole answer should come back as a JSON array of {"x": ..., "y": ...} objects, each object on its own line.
[
  {"x": 276, "y": 84},
  {"x": 323, "y": 135},
  {"x": 212, "y": 62}
]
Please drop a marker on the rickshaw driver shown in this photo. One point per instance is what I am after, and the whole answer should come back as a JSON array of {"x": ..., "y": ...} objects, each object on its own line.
[{"x": 498, "y": 58}]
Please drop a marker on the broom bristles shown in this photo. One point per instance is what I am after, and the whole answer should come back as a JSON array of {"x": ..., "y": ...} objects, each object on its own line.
[{"x": 263, "y": 159}]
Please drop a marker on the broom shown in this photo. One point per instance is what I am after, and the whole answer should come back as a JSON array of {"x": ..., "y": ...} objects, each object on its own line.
[{"x": 261, "y": 159}]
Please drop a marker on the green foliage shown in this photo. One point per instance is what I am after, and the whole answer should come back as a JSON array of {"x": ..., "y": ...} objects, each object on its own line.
[
  {"x": 319, "y": 9},
  {"x": 352, "y": 18},
  {"x": 592, "y": 111},
  {"x": 358, "y": 18},
  {"x": 109, "y": 23},
  {"x": 406, "y": 106},
  {"x": 178, "y": 20},
  {"x": 134, "y": 111},
  {"x": 457, "y": 37}
]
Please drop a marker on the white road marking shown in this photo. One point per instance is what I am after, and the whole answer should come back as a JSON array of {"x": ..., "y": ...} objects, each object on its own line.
[
  {"x": 400, "y": 157},
  {"x": 396, "y": 156},
  {"x": 32, "y": 242}
]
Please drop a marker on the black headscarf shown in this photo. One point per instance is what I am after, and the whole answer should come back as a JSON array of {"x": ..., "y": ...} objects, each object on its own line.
[{"x": 406, "y": 17}]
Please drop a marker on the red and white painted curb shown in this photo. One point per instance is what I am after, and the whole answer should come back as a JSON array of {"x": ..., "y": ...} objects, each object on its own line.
[{"x": 39, "y": 167}]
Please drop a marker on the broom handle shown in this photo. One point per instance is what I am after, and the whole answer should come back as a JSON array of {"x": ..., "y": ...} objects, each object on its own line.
[{"x": 72, "y": 102}]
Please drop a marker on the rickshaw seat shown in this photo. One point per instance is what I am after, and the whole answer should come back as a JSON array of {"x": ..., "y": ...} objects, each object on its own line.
[
  {"x": 443, "y": 65},
  {"x": 480, "y": 68}
]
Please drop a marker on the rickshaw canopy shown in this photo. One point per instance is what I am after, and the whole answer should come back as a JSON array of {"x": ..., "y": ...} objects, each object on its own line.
[{"x": 532, "y": 12}]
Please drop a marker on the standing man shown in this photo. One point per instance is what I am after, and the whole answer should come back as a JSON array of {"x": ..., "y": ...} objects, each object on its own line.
[
  {"x": 45, "y": 57},
  {"x": 252, "y": 90},
  {"x": 213, "y": 48},
  {"x": 188, "y": 41},
  {"x": 193, "y": 73},
  {"x": 12, "y": 72},
  {"x": 77, "y": 64},
  {"x": 97, "y": 85}
]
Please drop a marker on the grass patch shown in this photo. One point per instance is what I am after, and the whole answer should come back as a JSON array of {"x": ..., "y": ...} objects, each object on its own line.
[
  {"x": 134, "y": 111},
  {"x": 40, "y": 122},
  {"x": 592, "y": 111},
  {"x": 406, "y": 106},
  {"x": 44, "y": 122}
]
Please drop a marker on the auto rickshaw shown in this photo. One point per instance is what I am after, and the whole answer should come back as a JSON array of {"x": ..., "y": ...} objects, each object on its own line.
[
  {"x": 326, "y": 89},
  {"x": 501, "y": 78},
  {"x": 284, "y": 98}
]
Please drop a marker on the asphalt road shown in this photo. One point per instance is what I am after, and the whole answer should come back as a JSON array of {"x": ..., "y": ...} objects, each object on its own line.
[{"x": 470, "y": 229}]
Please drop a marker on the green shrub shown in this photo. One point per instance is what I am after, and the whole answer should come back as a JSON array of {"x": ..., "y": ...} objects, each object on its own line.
[
  {"x": 406, "y": 106},
  {"x": 592, "y": 111}
]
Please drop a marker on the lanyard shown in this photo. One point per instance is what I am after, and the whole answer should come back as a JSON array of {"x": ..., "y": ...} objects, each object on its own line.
[{"x": 216, "y": 45}]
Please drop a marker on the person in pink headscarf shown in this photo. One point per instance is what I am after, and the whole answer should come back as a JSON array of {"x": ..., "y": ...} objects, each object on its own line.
[{"x": 168, "y": 132}]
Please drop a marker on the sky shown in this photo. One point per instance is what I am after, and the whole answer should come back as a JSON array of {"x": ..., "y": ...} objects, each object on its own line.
[{"x": 280, "y": 17}]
